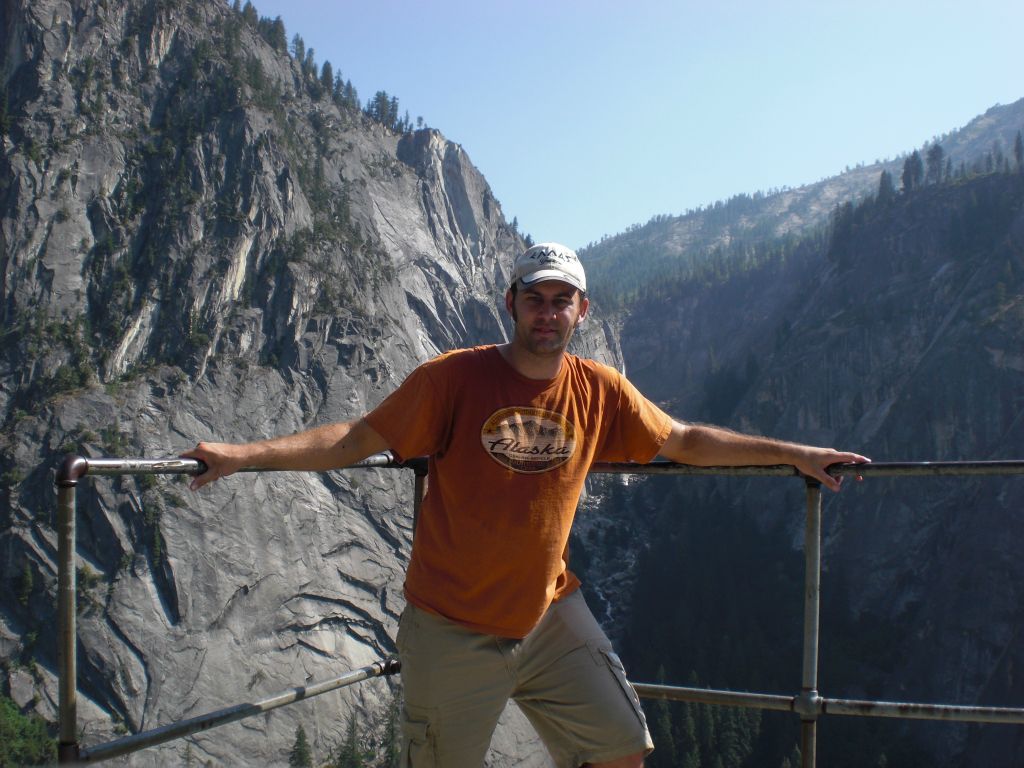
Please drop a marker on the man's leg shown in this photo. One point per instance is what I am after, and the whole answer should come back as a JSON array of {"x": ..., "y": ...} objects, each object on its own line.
[
  {"x": 572, "y": 687},
  {"x": 455, "y": 686}
]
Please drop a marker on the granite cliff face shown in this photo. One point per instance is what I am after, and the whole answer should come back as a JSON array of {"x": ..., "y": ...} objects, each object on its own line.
[{"x": 199, "y": 242}]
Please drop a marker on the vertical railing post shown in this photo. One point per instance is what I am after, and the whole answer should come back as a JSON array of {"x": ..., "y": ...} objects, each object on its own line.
[
  {"x": 67, "y": 630},
  {"x": 808, "y": 701}
]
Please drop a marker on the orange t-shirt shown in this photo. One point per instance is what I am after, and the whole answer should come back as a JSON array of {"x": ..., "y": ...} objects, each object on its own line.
[{"x": 508, "y": 459}]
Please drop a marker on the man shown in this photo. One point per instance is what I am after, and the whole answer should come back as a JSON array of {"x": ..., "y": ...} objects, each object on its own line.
[{"x": 493, "y": 611}]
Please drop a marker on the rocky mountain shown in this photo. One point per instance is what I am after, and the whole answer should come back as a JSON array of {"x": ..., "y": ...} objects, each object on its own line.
[{"x": 202, "y": 239}]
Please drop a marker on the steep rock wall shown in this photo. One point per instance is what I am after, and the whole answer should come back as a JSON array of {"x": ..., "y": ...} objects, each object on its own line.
[{"x": 199, "y": 242}]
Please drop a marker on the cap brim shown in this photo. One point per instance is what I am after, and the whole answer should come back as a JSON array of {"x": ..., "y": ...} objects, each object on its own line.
[{"x": 542, "y": 275}]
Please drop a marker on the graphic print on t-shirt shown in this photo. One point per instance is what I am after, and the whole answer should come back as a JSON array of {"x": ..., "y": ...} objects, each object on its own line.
[{"x": 528, "y": 439}]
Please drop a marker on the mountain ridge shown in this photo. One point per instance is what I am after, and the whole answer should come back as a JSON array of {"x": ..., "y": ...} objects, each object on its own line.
[{"x": 666, "y": 244}]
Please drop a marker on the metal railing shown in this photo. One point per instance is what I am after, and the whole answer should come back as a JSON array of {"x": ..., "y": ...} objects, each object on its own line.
[{"x": 808, "y": 704}]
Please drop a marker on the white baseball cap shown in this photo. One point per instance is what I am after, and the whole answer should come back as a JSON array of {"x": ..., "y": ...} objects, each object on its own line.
[{"x": 549, "y": 261}]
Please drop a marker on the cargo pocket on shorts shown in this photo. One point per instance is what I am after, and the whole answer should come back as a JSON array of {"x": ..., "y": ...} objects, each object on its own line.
[
  {"x": 418, "y": 750},
  {"x": 611, "y": 659}
]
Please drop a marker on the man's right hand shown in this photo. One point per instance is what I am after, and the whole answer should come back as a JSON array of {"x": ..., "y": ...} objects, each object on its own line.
[{"x": 221, "y": 460}]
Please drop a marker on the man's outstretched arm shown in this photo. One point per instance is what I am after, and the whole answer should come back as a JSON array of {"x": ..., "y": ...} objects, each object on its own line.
[
  {"x": 706, "y": 446},
  {"x": 327, "y": 447}
]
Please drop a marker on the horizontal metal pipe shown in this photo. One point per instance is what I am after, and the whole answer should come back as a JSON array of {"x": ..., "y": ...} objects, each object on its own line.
[
  {"x": 671, "y": 468},
  {"x": 385, "y": 460},
  {"x": 930, "y": 468},
  {"x": 179, "y": 466},
  {"x": 710, "y": 696},
  {"x": 231, "y": 714},
  {"x": 921, "y": 711},
  {"x": 877, "y": 469},
  {"x": 112, "y": 466},
  {"x": 831, "y": 706},
  {"x": 171, "y": 466}
]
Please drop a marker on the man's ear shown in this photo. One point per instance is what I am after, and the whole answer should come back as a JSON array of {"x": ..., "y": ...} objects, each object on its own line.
[
  {"x": 510, "y": 304},
  {"x": 584, "y": 307}
]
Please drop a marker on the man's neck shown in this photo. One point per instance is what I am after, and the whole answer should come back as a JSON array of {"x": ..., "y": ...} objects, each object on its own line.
[{"x": 541, "y": 367}]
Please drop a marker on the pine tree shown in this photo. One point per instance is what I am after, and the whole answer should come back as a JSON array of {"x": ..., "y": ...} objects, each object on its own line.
[
  {"x": 5, "y": 120},
  {"x": 998, "y": 158},
  {"x": 27, "y": 582},
  {"x": 913, "y": 172},
  {"x": 351, "y": 97},
  {"x": 378, "y": 108},
  {"x": 665, "y": 753},
  {"x": 391, "y": 743},
  {"x": 935, "y": 156},
  {"x": 707, "y": 729},
  {"x": 301, "y": 756},
  {"x": 686, "y": 741},
  {"x": 1018, "y": 152},
  {"x": 23, "y": 739},
  {"x": 886, "y": 189},
  {"x": 277, "y": 36},
  {"x": 298, "y": 48},
  {"x": 249, "y": 13},
  {"x": 327, "y": 77},
  {"x": 840, "y": 249},
  {"x": 350, "y": 754}
]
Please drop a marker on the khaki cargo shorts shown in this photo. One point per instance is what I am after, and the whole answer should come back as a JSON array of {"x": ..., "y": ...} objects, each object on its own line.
[{"x": 563, "y": 675}]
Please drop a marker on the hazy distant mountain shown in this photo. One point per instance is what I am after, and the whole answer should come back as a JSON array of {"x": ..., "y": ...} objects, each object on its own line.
[{"x": 622, "y": 264}]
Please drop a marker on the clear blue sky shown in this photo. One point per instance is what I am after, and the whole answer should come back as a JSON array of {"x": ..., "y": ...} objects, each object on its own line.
[{"x": 587, "y": 116}]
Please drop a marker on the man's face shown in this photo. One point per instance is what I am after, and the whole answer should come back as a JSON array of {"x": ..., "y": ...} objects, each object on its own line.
[{"x": 545, "y": 315}]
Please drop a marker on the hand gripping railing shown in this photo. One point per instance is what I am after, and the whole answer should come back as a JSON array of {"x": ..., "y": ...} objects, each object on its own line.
[{"x": 808, "y": 704}]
